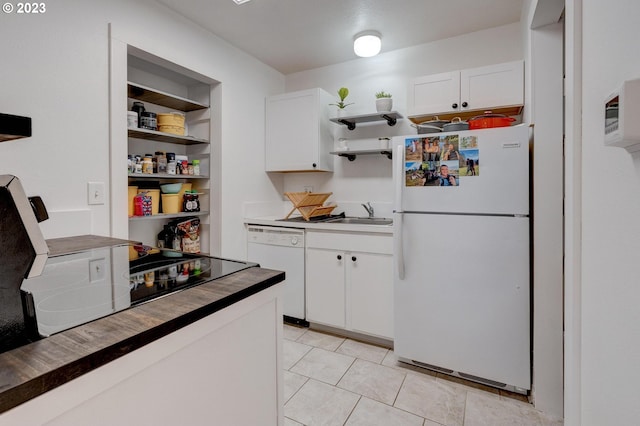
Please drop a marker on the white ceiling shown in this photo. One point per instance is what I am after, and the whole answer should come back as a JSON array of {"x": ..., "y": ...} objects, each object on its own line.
[{"x": 297, "y": 35}]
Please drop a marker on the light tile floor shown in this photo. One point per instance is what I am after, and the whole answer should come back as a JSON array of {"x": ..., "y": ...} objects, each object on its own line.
[{"x": 331, "y": 380}]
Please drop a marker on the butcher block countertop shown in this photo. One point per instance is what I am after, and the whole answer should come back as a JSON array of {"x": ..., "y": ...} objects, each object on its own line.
[
  {"x": 60, "y": 246},
  {"x": 33, "y": 369}
]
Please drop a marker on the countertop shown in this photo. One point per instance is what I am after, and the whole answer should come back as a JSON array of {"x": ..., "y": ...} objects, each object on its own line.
[
  {"x": 320, "y": 226},
  {"x": 66, "y": 245},
  {"x": 33, "y": 369}
]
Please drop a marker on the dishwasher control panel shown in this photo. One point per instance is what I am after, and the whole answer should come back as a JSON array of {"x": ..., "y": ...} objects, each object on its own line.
[{"x": 275, "y": 236}]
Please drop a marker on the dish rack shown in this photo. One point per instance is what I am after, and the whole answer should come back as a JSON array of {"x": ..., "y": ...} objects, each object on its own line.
[{"x": 309, "y": 204}]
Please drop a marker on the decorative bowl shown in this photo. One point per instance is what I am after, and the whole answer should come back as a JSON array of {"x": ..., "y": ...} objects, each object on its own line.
[{"x": 171, "y": 188}]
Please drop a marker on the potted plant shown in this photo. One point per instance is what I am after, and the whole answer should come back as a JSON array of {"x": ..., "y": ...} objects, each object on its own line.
[
  {"x": 343, "y": 92},
  {"x": 383, "y": 101}
]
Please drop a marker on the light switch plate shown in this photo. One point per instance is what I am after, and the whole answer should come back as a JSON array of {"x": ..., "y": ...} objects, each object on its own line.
[{"x": 95, "y": 193}]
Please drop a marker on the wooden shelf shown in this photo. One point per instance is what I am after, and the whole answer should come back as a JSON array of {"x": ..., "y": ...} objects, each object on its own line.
[
  {"x": 157, "y": 97},
  {"x": 391, "y": 117},
  {"x": 465, "y": 115},
  {"x": 154, "y": 135},
  {"x": 351, "y": 155},
  {"x": 168, "y": 215},
  {"x": 164, "y": 176}
]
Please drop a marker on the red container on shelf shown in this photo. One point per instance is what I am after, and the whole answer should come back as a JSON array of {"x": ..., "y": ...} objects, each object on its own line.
[{"x": 488, "y": 120}]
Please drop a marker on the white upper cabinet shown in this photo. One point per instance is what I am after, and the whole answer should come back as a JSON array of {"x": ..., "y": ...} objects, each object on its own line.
[
  {"x": 433, "y": 94},
  {"x": 475, "y": 89},
  {"x": 298, "y": 136},
  {"x": 500, "y": 85}
]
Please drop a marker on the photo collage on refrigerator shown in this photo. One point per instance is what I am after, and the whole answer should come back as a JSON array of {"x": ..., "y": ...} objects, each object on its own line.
[{"x": 441, "y": 160}]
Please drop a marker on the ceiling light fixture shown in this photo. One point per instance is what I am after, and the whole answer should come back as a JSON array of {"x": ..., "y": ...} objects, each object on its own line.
[
  {"x": 240, "y": 1},
  {"x": 367, "y": 43}
]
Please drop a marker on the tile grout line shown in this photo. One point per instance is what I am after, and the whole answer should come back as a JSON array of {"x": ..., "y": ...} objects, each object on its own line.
[
  {"x": 399, "y": 389},
  {"x": 401, "y": 409},
  {"x": 296, "y": 363},
  {"x": 301, "y": 386},
  {"x": 464, "y": 412},
  {"x": 352, "y": 410},
  {"x": 344, "y": 374}
]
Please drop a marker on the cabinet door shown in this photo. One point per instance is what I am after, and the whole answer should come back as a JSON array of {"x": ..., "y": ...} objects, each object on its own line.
[
  {"x": 492, "y": 86},
  {"x": 297, "y": 133},
  {"x": 325, "y": 291},
  {"x": 370, "y": 278},
  {"x": 434, "y": 94}
]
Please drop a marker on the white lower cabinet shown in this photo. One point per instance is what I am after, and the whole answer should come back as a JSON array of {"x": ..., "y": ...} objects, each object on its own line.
[
  {"x": 349, "y": 281},
  {"x": 325, "y": 289},
  {"x": 371, "y": 293},
  {"x": 225, "y": 369}
]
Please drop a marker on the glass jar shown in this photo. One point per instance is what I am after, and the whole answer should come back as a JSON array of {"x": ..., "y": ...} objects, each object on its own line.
[
  {"x": 147, "y": 165},
  {"x": 196, "y": 167},
  {"x": 149, "y": 121},
  {"x": 171, "y": 167},
  {"x": 171, "y": 163},
  {"x": 190, "y": 202},
  {"x": 138, "y": 107}
]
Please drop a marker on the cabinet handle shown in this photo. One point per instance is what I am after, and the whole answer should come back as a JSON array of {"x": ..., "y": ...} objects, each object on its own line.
[
  {"x": 354, "y": 258},
  {"x": 314, "y": 165},
  {"x": 454, "y": 105},
  {"x": 339, "y": 257},
  {"x": 464, "y": 105}
]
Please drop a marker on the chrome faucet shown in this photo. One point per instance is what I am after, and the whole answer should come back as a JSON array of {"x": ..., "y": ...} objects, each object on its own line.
[{"x": 368, "y": 208}]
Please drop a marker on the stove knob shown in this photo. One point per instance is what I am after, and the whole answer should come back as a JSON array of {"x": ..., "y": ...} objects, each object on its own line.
[{"x": 294, "y": 241}]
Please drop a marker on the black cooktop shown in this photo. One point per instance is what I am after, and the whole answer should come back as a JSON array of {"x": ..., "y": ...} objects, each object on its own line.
[
  {"x": 80, "y": 287},
  {"x": 157, "y": 275}
]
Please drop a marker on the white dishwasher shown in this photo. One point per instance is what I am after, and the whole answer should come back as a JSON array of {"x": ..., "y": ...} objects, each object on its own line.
[{"x": 281, "y": 249}]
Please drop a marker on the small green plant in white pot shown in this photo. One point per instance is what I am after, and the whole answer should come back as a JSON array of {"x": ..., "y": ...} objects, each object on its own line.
[
  {"x": 343, "y": 92},
  {"x": 384, "y": 102}
]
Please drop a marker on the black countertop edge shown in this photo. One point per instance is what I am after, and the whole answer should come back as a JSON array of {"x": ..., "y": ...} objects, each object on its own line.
[{"x": 37, "y": 386}]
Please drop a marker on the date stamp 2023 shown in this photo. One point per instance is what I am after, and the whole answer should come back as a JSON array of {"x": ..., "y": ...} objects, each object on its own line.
[{"x": 24, "y": 8}]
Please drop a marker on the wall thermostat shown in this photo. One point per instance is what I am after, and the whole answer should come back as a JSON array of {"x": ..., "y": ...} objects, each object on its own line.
[{"x": 622, "y": 117}]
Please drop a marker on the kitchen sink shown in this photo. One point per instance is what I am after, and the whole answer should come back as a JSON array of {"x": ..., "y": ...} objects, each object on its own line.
[{"x": 364, "y": 220}]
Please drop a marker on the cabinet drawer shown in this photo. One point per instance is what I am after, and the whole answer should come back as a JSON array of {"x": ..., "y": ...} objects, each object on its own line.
[{"x": 368, "y": 243}]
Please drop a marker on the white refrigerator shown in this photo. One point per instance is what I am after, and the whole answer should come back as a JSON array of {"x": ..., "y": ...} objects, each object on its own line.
[{"x": 462, "y": 265}]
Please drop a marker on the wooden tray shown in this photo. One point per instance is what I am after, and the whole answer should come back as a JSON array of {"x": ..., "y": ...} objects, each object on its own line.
[{"x": 309, "y": 204}]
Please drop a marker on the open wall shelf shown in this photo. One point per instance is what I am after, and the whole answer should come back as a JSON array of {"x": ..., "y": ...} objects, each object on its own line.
[
  {"x": 351, "y": 155},
  {"x": 391, "y": 117}
]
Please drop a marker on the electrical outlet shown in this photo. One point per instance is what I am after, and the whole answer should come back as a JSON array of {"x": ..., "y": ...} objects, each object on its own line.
[
  {"x": 95, "y": 193},
  {"x": 97, "y": 270},
  {"x": 308, "y": 188}
]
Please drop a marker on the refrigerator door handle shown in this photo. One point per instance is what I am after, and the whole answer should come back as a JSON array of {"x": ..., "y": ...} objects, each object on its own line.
[
  {"x": 398, "y": 177},
  {"x": 398, "y": 244}
]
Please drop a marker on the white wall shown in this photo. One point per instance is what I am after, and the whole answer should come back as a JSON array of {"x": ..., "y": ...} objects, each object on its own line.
[
  {"x": 610, "y": 227},
  {"x": 368, "y": 178},
  {"x": 547, "y": 116},
  {"x": 55, "y": 70},
  {"x": 573, "y": 214}
]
